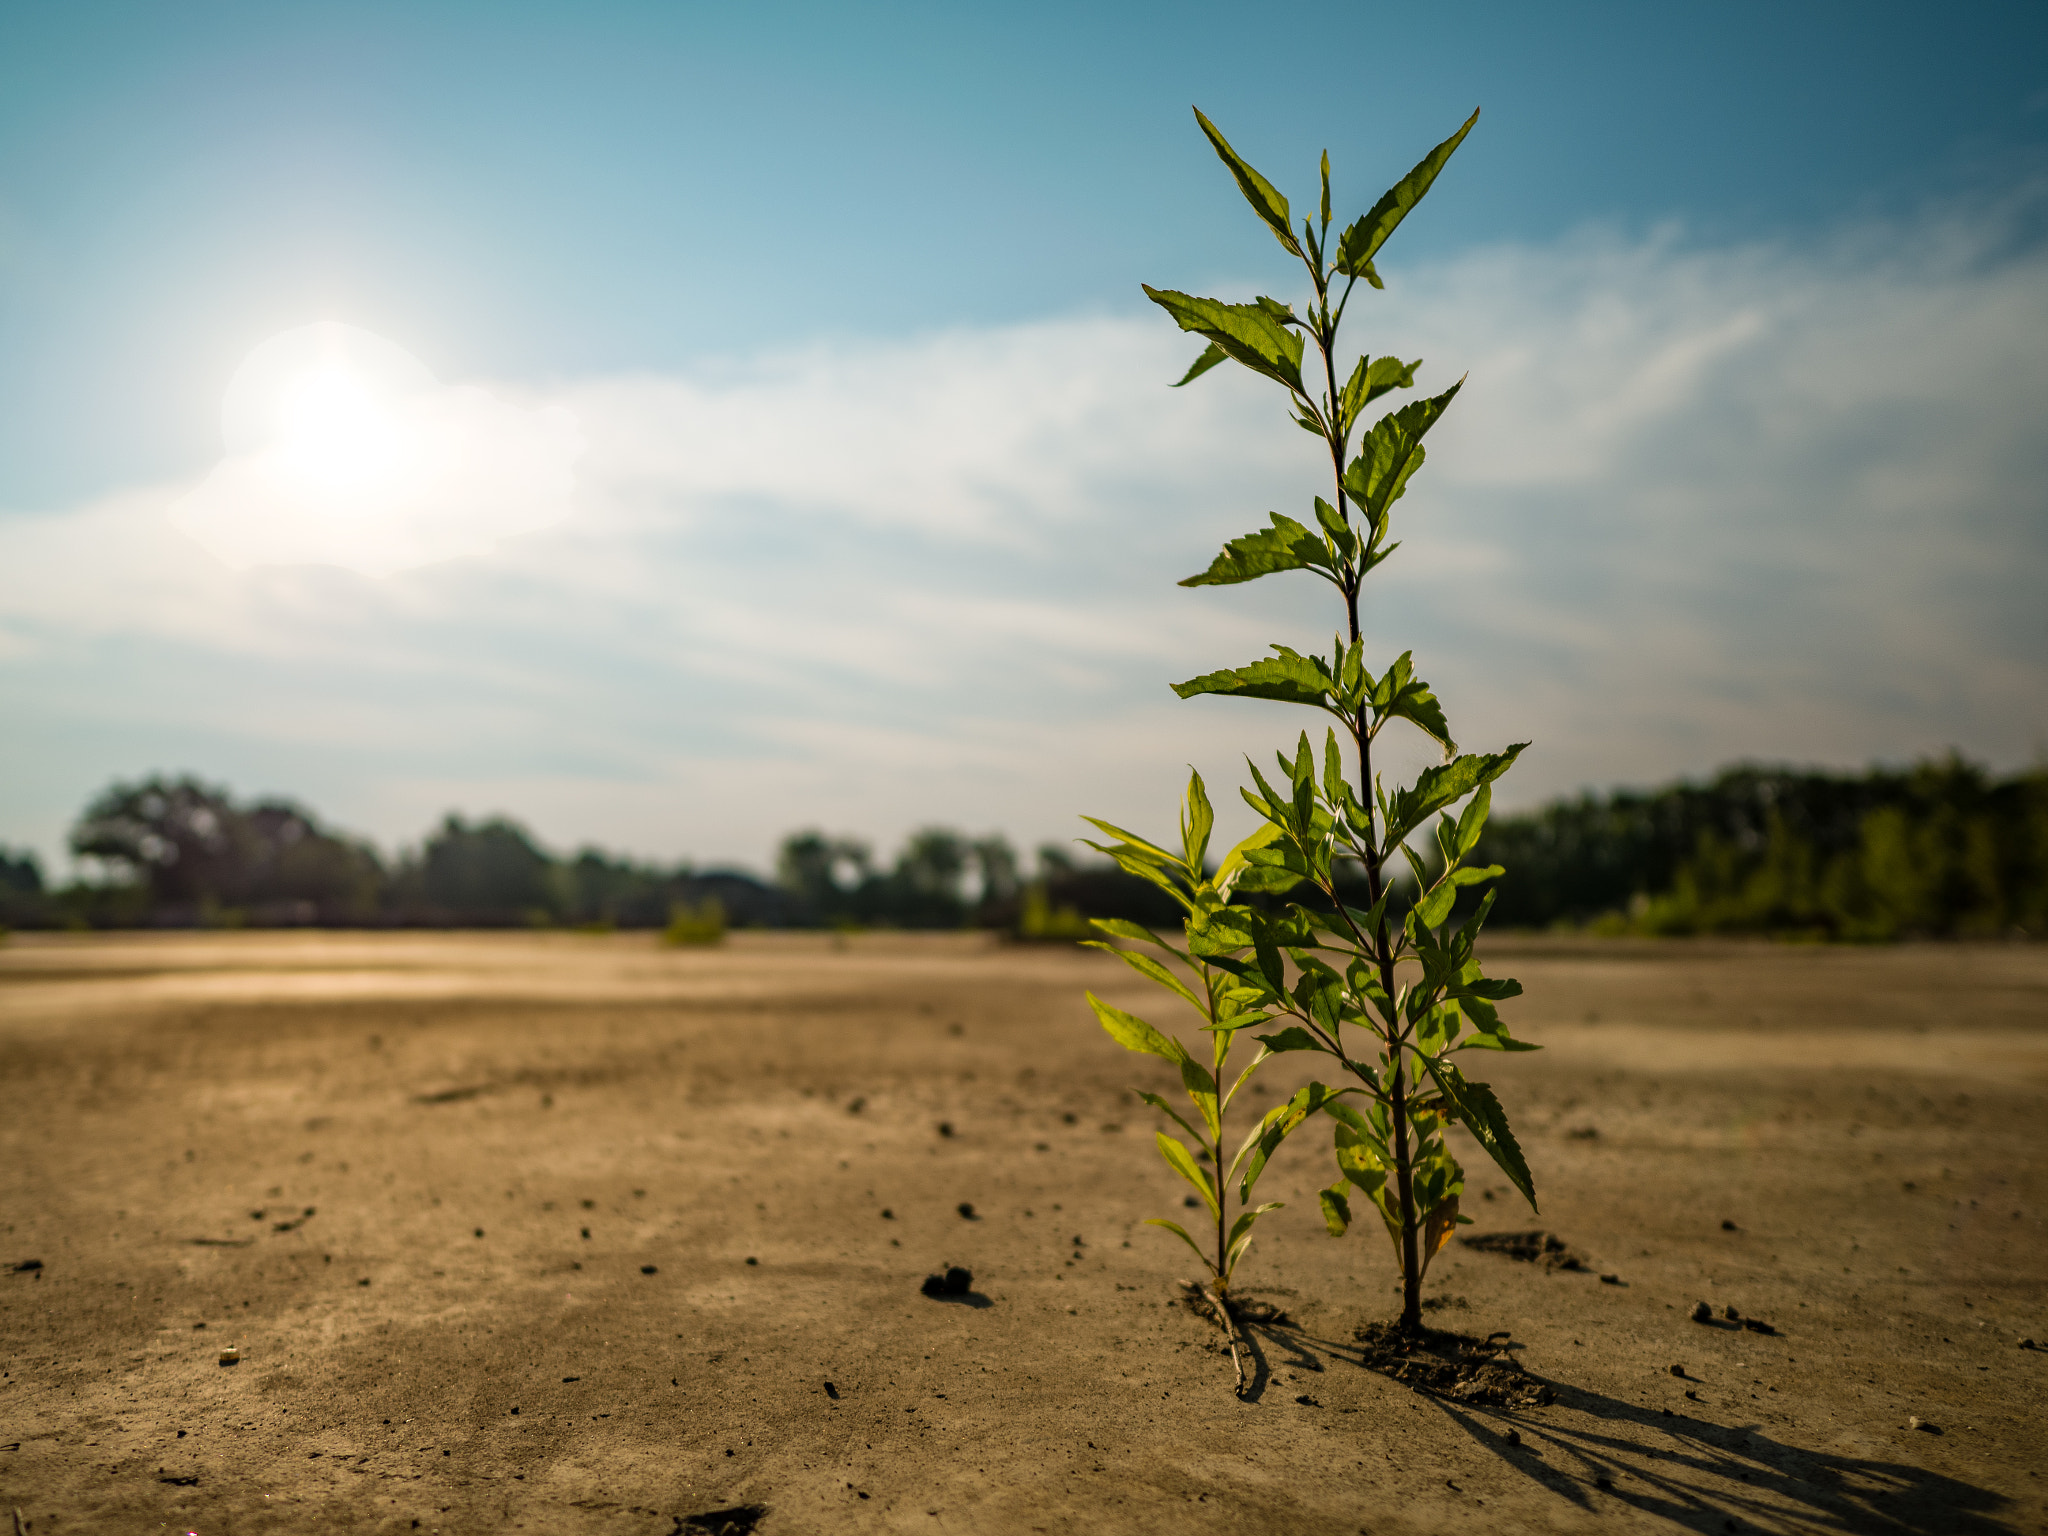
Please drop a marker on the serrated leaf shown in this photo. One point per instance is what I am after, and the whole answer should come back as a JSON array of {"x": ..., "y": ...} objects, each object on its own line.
[
  {"x": 1416, "y": 704},
  {"x": 1390, "y": 453},
  {"x": 1211, "y": 356},
  {"x": 1246, "y": 332},
  {"x": 1264, "y": 197},
  {"x": 1361, "y": 242},
  {"x": 1480, "y": 1113},
  {"x": 1370, "y": 378},
  {"x": 1444, "y": 785},
  {"x": 1289, "y": 677},
  {"x": 1286, "y": 546}
]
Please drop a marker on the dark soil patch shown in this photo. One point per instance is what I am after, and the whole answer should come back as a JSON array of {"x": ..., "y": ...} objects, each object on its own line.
[
  {"x": 1452, "y": 1365},
  {"x": 737, "y": 1521},
  {"x": 1545, "y": 1248}
]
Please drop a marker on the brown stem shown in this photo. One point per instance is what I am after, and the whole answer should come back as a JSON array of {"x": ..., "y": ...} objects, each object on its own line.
[{"x": 1215, "y": 1299}]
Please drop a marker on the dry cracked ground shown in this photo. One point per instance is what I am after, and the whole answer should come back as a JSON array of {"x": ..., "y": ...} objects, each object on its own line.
[{"x": 565, "y": 1233}]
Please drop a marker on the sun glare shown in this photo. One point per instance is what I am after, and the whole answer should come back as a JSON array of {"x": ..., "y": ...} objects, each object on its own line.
[{"x": 343, "y": 449}]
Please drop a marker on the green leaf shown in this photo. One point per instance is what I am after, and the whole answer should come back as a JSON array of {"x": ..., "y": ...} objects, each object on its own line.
[
  {"x": 1265, "y": 199},
  {"x": 1371, "y": 378},
  {"x": 1290, "y": 678},
  {"x": 1292, "y": 1038},
  {"x": 1235, "y": 866},
  {"x": 1411, "y": 700},
  {"x": 1326, "y": 189},
  {"x": 1361, "y": 242},
  {"x": 1167, "y": 1109},
  {"x": 1390, "y": 452},
  {"x": 1286, "y": 546},
  {"x": 1241, "y": 1234},
  {"x": 1198, "y": 819},
  {"x": 1473, "y": 822},
  {"x": 1122, "y": 928},
  {"x": 1340, "y": 534},
  {"x": 1479, "y": 1111},
  {"x": 1211, "y": 356},
  {"x": 1152, "y": 970},
  {"x": 1446, "y": 784},
  {"x": 1134, "y": 1034},
  {"x": 1336, "y": 1208},
  {"x": 1181, "y": 1232},
  {"x": 1182, "y": 1162},
  {"x": 1436, "y": 906},
  {"x": 1247, "y": 332},
  {"x": 1201, "y": 1087}
]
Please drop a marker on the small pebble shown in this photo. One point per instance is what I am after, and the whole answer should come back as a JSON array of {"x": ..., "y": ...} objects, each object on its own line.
[
  {"x": 1702, "y": 1313},
  {"x": 1514, "y": 1437},
  {"x": 1916, "y": 1422},
  {"x": 233, "y": 1356},
  {"x": 1678, "y": 1371},
  {"x": 648, "y": 1269},
  {"x": 1729, "y": 1226},
  {"x": 966, "y": 1209},
  {"x": 1610, "y": 1279},
  {"x": 1731, "y": 1314}
]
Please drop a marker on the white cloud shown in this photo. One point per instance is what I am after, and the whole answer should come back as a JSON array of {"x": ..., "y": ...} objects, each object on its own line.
[{"x": 1693, "y": 505}]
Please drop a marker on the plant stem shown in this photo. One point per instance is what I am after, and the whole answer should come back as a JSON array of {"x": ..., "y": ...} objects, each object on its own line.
[{"x": 1375, "y": 880}]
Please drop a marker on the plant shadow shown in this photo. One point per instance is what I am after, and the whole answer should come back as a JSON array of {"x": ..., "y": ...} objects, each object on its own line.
[{"x": 1696, "y": 1474}]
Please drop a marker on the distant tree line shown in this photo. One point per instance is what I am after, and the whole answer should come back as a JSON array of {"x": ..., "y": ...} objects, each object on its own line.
[
  {"x": 1944, "y": 849},
  {"x": 181, "y": 853}
]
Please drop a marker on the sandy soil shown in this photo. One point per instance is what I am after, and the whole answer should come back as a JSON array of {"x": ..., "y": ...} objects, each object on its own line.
[{"x": 572, "y": 1234}]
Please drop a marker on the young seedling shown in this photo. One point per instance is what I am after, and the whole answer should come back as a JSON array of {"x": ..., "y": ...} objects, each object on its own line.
[
  {"x": 1209, "y": 983},
  {"x": 1392, "y": 1002}
]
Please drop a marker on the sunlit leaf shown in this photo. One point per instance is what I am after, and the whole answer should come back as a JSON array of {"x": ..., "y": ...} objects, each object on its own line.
[
  {"x": 1361, "y": 242},
  {"x": 1264, "y": 197}
]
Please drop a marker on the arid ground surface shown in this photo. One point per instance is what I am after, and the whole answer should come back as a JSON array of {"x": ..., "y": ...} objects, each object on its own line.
[{"x": 574, "y": 1234}]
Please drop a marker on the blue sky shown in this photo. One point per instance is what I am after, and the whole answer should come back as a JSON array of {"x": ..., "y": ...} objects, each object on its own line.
[{"x": 870, "y": 500}]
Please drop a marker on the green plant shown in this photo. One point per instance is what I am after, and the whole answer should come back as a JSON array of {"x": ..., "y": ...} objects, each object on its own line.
[
  {"x": 703, "y": 923},
  {"x": 1391, "y": 995},
  {"x": 1209, "y": 982}
]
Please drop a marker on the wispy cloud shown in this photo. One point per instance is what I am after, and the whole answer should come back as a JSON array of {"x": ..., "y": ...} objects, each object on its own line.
[{"x": 1693, "y": 505}]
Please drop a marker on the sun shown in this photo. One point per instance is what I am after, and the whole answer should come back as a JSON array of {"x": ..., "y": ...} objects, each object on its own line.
[
  {"x": 328, "y": 407},
  {"x": 335, "y": 435},
  {"x": 342, "y": 448}
]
